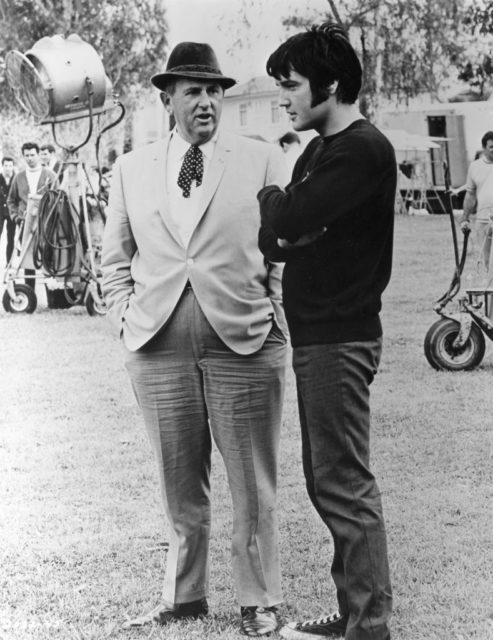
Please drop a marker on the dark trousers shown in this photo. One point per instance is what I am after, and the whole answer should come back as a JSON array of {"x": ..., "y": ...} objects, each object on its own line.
[
  {"x": 10, "y": 229},
  {"x": 333, "y": 394}
]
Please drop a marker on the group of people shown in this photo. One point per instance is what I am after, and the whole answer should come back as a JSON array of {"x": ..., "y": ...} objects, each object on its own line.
[
  {"x": 41, "y": 171},
  {"x": 16, "y": 187},
  {"x": 208, "y": 243}
]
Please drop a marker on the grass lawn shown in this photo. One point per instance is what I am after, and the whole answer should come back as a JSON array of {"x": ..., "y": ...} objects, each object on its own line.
[{"x": 83, "y": 537}]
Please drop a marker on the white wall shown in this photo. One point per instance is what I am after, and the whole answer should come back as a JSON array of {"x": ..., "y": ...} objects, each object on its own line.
[
  {"x": 151, "y": 121},
  {"x": 478, "y": 118}
]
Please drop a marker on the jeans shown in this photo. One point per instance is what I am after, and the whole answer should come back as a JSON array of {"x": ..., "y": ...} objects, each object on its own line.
[{"x": 333, "y": 396}]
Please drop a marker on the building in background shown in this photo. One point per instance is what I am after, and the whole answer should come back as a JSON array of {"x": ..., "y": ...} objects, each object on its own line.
[
  {"x": 456, "y": 126},
  {"x": 249, "y": 109},
  {"x": 252, "y": 109}
]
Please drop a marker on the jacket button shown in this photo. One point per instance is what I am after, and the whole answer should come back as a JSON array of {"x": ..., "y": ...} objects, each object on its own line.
[{"x": 190, "y": 261}]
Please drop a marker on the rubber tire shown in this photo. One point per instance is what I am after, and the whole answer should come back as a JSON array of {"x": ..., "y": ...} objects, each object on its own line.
[
  {"x": 94, "y": 308},
  {"x": 28, "y": 300},
  {"x": 439, "y": 352}
]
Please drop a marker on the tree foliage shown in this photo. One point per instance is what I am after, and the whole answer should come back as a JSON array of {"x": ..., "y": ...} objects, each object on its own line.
[
  {"x": 129, "y": 36},
  {"x": 475, "y": 63},
  {"x": 406, "y": 45}
]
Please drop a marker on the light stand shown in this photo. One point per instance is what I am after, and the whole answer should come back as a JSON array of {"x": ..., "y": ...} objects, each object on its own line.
[{"x": 57, "y": 81}]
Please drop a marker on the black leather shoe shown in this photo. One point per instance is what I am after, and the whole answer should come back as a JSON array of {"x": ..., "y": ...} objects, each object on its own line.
[
  {"x": 163, "y": 615},
  {"x": 258, "y": 621}
]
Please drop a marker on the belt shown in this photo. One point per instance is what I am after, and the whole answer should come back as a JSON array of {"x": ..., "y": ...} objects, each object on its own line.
[{"x": 188, "y": 286}]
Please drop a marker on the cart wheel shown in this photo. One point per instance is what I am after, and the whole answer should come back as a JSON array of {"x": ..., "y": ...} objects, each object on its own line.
[
  {"x": 94, "y": 307},
  {"x": 441, "y": 353},
  {"x": 25, "y": 301}
]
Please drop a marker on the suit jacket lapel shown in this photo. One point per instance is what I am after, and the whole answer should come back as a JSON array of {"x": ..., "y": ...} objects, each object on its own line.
[
  {"x": 214, "y": 173},
  {"x": 160, "y": 169}
]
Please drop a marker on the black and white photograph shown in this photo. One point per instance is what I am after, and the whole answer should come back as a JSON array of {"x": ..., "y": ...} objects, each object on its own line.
[{"x": 246, "y": 284}]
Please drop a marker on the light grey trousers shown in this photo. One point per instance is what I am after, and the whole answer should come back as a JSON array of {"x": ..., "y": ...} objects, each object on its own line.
[{"x": 189, "y": 385}]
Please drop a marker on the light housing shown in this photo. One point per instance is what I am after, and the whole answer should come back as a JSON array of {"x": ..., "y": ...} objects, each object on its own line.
[{"x": 59, "y": 79}]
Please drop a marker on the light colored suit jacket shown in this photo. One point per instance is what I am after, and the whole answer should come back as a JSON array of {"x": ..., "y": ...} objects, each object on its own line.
[{"x": 145, "y": 265}]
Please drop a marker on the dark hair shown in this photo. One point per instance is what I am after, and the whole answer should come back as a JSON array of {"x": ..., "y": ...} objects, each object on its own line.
[
  {"x": 30, "y": 145},
  {"x": 47, "y": 147},
  {"x": 322, "y": 54},
  {"x": 7, "y": 159},
  {"x": 289, "y": 138},
  {"x": 487, "y": 136}
]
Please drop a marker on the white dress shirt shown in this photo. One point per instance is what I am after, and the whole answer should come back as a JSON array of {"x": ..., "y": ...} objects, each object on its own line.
[{"x": 185, "y": 212}]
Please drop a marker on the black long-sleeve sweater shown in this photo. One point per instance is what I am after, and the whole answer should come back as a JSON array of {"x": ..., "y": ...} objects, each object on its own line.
[{"x": 332, "y": 288}]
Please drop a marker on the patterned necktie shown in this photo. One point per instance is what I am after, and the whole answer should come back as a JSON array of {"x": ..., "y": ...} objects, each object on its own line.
[{"x": 191, "y": 169}]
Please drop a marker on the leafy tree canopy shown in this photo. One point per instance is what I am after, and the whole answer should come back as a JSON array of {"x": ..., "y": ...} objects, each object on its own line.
[
  {"x": 406, "y": 45},
  {"x": 475, "y": 63},
  {"x": 129, "y": 36}
]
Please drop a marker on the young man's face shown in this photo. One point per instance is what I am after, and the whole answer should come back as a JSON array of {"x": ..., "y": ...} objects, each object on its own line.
[
  {"x": 8, "y": 168},
  {"x": 45, "y": 157},
  {"x": 296, "y": 97},
  {"x": 488, "y": 151},
  {"x": 31, "y": 156},
  {"x": 196, "y": 107}
]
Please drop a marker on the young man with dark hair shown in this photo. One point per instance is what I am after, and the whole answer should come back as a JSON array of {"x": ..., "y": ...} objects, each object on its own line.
[
  {"x": 290, "y": 143},
  {"x": 6, "y": 176},
  {"x": 31, "y": 182},
  {"x": 333, "y": 227},
  {"x": 48, "y": 157}
]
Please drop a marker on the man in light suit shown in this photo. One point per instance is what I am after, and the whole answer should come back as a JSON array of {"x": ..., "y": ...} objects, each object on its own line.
[{"x": 198, "y": 311}]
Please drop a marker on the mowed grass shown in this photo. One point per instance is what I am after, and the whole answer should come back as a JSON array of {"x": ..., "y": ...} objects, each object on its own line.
[{"x": 83, "y": 535}]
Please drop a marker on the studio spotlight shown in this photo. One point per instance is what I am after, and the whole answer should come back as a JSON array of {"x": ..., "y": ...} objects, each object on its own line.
[{"x": 59, "y": 79}]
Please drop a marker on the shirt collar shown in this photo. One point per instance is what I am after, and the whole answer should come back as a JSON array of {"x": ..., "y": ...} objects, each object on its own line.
[{"x": 181, "y": 146}]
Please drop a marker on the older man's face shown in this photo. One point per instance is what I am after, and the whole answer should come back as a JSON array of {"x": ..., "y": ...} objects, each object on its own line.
[{"x": 196, "y": 106}]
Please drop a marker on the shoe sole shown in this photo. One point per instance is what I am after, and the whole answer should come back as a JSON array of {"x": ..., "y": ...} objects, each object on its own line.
[{"x": 288, "y": 633}]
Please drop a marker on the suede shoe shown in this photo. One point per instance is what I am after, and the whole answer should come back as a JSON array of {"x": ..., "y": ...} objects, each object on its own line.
[
  {"x": 331, "y": 626},
  {"x": 258, "y": 621},
  {"x": 163, "y": 615}
]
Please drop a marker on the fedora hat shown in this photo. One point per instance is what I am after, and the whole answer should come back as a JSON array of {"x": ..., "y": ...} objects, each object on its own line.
[{"x": 193, "y": 60}]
